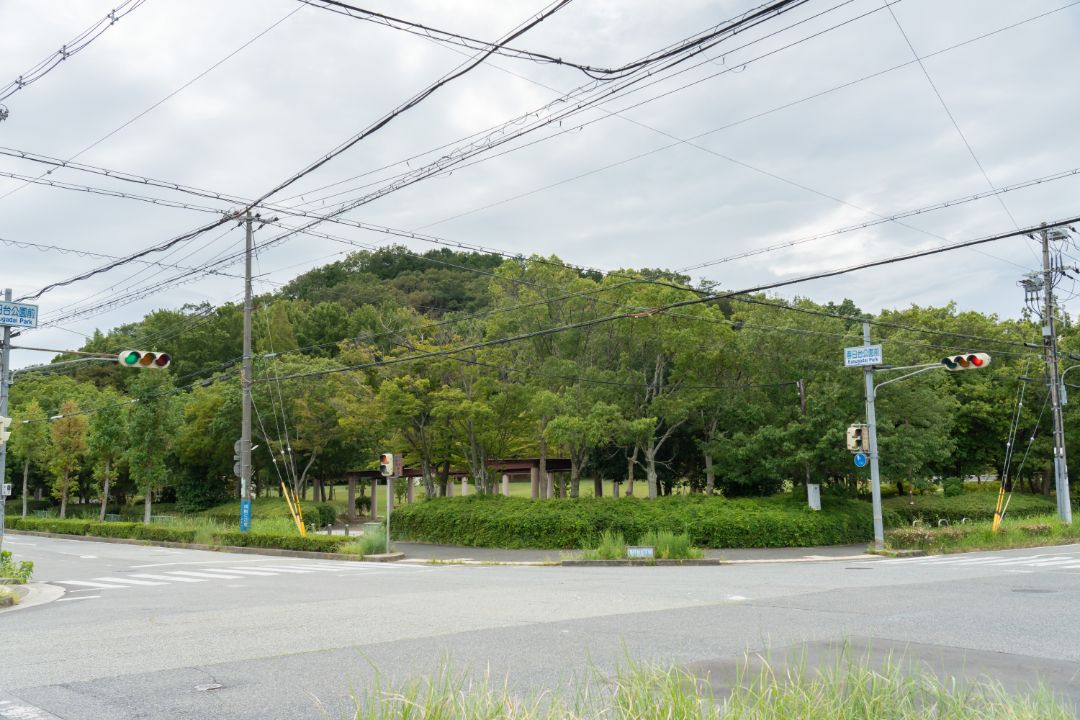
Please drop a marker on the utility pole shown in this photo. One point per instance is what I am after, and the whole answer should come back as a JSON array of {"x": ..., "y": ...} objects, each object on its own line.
[
  {"x": 871, "y": 423},
  {"x": 5, "y": 376},
  {"x": 245, "y": 382},
  {"x": 1061, "y": 471}
]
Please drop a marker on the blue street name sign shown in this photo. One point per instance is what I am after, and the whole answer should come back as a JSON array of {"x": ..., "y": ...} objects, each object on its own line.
[
  {"x": 245, "y": 515},
  {"x": 862, "y": 355},
  {"x": 18, "y": 315},
  {"x": 860, "y": 459}
]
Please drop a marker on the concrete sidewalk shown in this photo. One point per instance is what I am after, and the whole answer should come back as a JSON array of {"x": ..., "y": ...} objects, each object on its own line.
[{"x": 423, "y": 552}]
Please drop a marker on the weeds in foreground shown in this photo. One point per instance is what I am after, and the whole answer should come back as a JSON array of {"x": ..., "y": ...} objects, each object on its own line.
[
  {"x": 849, "y": 690},
  {"x": 668, "y": 546},
  {"x": 20, "y": 571},
  {"x": 371, "y": 542}
]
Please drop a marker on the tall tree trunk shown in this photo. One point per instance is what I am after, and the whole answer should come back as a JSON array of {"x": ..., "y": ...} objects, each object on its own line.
[
  {"x": 543, "y": 490},
  {"x": 147, "y": 502},
  {"x": 561, "y": 484},
  {"x": 105, "y": 490},
  {"x": 710, "y": 475},
  {"x": 425, "y": 473},
  {"x": 631, "y": 461},
  {"x": 25, "y": 475},
  {"x": 575, "y": 477},
  {"x": 650, "y": 469},
  {"x": 444, "y": 477},
  {"x": 598, "y": 487},
  {"x": 63, "y": 496}
]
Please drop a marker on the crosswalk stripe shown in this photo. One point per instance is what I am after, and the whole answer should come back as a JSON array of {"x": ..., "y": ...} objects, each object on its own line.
[
  {"x": 129, "y": 581},
  {"x": 191, "y": 573},
  {"x": 84, "y": 583},
  {"x": 240, "y": 571},
  {"x": 277, "y": 569},
  {"x": 167, "y": 577}
]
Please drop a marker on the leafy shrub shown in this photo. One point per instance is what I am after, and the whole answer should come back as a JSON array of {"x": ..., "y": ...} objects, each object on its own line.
[
  {"x": 669, "y": 545},
  {"x": 1036, "y": 529},
  {"x": 98, "y": 529},
  {"x": 953, "y": 486},
  {"x": 922, "y": 538},
  {"x": 20, "y": 572},
  {"x": 371, "y": 542},
  {"x": 322, "y": 514},
  {"x": 363, "y": 505},
  {"x": 496, "y": 521}
]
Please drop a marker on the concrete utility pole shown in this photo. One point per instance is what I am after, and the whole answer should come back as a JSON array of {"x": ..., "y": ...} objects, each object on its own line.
[
  {"x": 1061, "y": 471},
  {"x": 245, "y": 381},
  {"x": 871, "y": 423},
  {"x": 5, "y": 376}
]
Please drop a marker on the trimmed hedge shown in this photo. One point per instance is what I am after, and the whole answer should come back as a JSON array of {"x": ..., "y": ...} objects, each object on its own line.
[
  {"x": 160, "y": 533},
  {"x": 137, "y": 531},
  {"x": 311, "y": 543},
  {"x": 973, "y": 506},
  {"x": 496, "y": 521}
]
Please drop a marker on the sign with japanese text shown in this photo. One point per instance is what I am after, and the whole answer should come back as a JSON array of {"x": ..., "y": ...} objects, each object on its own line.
[{"x": 18, "y": 315}]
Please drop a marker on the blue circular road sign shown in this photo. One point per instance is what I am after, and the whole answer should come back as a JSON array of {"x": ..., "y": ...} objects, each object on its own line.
[{"x": 860, "y": 459}]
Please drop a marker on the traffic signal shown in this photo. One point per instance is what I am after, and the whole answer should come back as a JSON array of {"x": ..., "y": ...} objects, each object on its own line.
[
  {"x": 5, "y": 423},
  {"x": 386, "y": 464},
  {"x": 858, "y": 439},
  {"x": 144, "y": 359},
  {"x": 971, "y": 361}
]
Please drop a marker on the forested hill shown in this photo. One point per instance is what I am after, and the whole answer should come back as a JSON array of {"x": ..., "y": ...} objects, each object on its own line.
[{"x": 457, "y": 358}]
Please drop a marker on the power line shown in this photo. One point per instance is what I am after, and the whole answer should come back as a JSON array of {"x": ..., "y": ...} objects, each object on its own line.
[
  {"x": 172, "y": 94},
  {"x": 669, "y": 306},
  {"x": 72, "y": 47}
]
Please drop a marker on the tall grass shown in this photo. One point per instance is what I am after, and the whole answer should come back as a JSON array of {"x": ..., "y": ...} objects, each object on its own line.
[
  {"x": 1015, "y": 532},
  {"x": 668, "y": 545},
  {"x": 371, "y": 542},
  {"x": 849, "y": 690}
]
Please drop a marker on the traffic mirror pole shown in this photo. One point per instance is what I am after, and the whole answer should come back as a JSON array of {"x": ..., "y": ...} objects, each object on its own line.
[{"x": 871, "y": 423}]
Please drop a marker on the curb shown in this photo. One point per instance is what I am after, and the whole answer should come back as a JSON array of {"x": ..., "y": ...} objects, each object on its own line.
[
  {"x": 275, "y": 552},
  {"x": 705, "y": 562},
  {"x": 900, "y": 553},
  {"x": 35, "y": 594}
]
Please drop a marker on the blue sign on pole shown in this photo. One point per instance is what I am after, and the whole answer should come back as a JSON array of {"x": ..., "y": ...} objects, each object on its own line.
[
  {"x": 245, "y": 515},
  {"x": 860, "y": 459}
]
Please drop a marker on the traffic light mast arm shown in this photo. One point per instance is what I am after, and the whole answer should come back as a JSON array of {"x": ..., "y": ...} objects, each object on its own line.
[{"x": 926, "y": 368}]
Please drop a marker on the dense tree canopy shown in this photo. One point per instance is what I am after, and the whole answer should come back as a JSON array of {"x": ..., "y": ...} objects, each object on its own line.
[{"x": 459, "y": 359}]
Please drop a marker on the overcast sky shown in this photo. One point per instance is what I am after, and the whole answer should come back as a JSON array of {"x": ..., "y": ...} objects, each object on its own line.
[{"x": 874, "y": 148}]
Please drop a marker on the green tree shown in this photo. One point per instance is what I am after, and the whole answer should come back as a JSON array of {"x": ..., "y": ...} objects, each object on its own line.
[
  {"x": 29, "y": 442},
  {"x": 68, "y": 448},
  {"x": 151, "y": 429},
  {"x": 107, "y": 442}
]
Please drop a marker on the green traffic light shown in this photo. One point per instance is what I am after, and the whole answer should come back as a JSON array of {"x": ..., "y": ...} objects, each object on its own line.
[{"x": 131, "y": 358}]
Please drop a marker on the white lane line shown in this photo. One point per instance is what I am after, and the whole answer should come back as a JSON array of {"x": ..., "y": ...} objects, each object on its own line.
[
  {"x": 208, "y": 576},
  {"x": 88, "y": 557},
  {"x": 128, "y": 581},
  {"x": 239, "y": 571},
  {"x": 167, "y": 578},
  {"x": 84, "y": 583},
  {"x": 80, "y": 597},
  {"x": 19, "y": 710},
  {"x": 277, "y": 569}
]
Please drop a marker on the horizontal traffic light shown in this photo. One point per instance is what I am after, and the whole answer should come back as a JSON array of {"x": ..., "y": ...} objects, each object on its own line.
[
  {"x": 144, "y": 359},
  {"x": 971, "y": 361}
]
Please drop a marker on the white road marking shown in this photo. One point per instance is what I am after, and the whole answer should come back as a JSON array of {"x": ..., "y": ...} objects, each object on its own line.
[
  {"x": 736, "y": 597},
  {"x": 88, "y": 557},
  {"x": 18, "y": 710},
  {"x": 169, "y": 578},
  {"x": 277, "y": 569},
  {"x": 189, "y": 573},
  {"x": 84, "y": 583},
  {"x": 240, "y": 571},
  {"x": 80, "y": 597},
  {"x": 129, "y": 581},
  {"x": 200, "y": 562}
]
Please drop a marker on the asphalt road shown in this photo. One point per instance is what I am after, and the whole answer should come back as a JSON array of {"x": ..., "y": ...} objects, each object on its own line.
[{"x": 146, "y": 632}]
